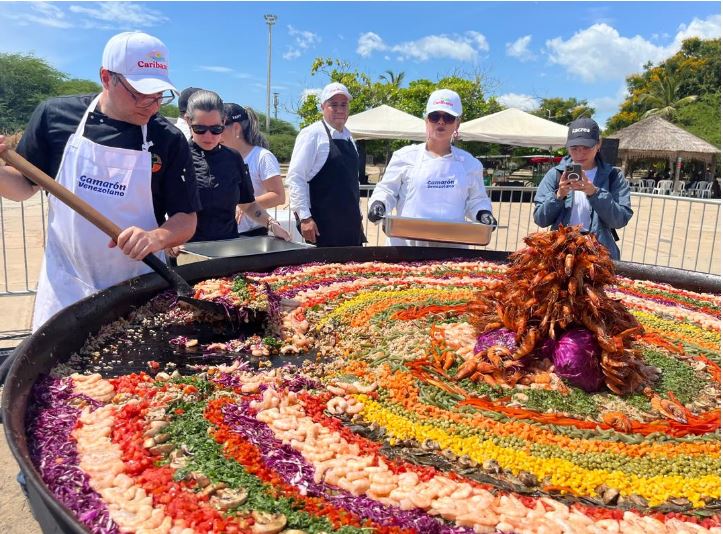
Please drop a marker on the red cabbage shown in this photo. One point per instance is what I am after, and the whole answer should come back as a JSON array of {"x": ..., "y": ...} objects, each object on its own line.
[
  {"x": 577, "y": 360},
  {"x": 499, "y": 336}
]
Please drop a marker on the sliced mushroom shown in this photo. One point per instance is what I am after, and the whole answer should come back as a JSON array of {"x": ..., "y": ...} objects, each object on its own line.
[
  {"x": 178, "y": 459},
  {"x": 211, "y": 489},
  {"x": 201, "y": 479},
  {"x": 163, "y": 448},
  {"x": 265, "y": 523},
  {"x": 528, "y": 479},
  {"x": 491, "y": 466},
  {"x": 227, "y": 498}
]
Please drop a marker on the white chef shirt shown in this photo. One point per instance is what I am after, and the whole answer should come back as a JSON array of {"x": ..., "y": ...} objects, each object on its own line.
[
  {"x": 581, "y": 209},
  {"x": 311, "y": 151},
  {"x": 392, "y": 190}
]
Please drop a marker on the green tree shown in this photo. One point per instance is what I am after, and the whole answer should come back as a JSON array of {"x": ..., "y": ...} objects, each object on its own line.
[
  {"x": 77, "y": 86},
  {"x": 390, "y": 78},
  {"x": 702, "y": 118},
  {"x": 563, "y": 110},
  {"x": 663, "y": 96},
  {"x": 698, "y": 64},
  {"x": 25, "y": 81}
]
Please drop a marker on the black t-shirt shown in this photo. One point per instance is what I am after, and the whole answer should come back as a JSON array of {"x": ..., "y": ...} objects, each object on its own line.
[
  {"x": 173, "y": 183},
  {"x": 222, "y": 183}
]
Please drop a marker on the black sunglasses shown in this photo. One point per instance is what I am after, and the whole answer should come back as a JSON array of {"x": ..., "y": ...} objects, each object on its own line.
[
  {"x": 200, "y": 129},
  {"x": 436, "y": 115}
]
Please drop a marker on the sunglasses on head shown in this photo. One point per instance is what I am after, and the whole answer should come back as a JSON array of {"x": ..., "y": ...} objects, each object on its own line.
[
  {"x": 436, "y": 115},
  {"x": 200, "y": 129}
]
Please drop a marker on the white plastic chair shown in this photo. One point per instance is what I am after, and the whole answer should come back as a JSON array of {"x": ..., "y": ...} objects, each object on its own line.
[
  {"x": 636, "y": 185},
  {"x": 648, "y": 185},
  {"x": 693, "y": 189},
  {"x": 664, "y": 187},
  {"x": 706, "y": 191},
  {"x": 679, "y": 189}
]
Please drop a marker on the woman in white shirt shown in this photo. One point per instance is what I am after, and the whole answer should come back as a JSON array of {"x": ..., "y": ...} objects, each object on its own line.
[
  {"x": 242, "y": 134},
  {"x": 434, "y": 180}
]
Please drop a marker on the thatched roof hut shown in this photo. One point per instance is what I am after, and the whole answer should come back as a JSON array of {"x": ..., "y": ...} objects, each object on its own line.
[{"x": 655, "y": 137}]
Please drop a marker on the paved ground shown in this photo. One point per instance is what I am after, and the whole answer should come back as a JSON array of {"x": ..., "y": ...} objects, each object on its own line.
[{"x": 664, "y": 231}]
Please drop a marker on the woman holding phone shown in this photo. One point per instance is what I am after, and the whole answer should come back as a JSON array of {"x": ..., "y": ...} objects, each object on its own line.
[{"x": 585, "y": 191}]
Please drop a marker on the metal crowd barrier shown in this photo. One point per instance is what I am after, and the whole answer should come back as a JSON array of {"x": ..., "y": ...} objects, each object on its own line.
[{"x": 678, "y": 232}]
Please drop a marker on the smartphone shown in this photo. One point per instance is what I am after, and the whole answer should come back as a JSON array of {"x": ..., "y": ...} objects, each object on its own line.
[{"x": 574, "y": 172}]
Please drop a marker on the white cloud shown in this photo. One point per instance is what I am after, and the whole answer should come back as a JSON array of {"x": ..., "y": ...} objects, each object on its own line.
[
  {"x": 291, "y": 53},
  {"x": 606, "y": 106},
  {"x": 705, "y": 29},
  {"x": 520, "y": 49},
  {"x": 460, "y": 47},
  {"x": 523, "y": 102},
  {"x": 600, "y": 52},
  {"x": 215, "y": 68},
  {"x": 368, "y": 43},
  {"x": 119, "y": 14},
  {"x": 45, "y": 14},
  {"x": 303, "y": 40}
]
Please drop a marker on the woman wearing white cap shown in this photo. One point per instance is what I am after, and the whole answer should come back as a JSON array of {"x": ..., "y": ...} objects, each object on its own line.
[
  {"x": 434, "y": 180},
  {"x": 117, "y": 153},
  {"x": 323, "y": 176}
]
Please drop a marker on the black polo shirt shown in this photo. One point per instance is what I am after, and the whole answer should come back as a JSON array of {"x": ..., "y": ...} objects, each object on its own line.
[
  {"x": 223, "y": 182},
  {"x": 173, "y": 182}
]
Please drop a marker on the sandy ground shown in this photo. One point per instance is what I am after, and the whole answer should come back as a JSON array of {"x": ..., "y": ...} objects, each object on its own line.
[{"x": 663, "y": 231}]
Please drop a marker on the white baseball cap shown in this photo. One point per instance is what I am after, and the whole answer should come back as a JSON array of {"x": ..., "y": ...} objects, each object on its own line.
[
  {"x": 444, "y": 100},
  {"x": 334, "y": 88},
  {"x": 142, "y": 60}
]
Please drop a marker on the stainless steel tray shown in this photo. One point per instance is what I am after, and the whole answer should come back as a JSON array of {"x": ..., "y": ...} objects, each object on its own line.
[
  {"x": 445, "y": 232},
  {"x": 229, "y": 248}
]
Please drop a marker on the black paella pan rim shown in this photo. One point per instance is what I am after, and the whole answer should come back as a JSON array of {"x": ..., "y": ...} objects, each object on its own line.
[{"x": 66, "y": 332}]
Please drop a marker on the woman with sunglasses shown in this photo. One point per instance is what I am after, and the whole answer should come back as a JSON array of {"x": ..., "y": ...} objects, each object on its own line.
[
  {"x": 223, "y": 182},
  {"x": 243, "y": 135},
  {"x": 434, "y": 180}
]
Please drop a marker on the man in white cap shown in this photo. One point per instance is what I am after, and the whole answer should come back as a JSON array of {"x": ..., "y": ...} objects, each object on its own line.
[
  {"x": 117, "y": 153},
  {"x": 434, "y": 180},
  {"x": 323, "y": 176}
]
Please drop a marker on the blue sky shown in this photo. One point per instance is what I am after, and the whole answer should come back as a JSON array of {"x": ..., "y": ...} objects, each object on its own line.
[{"x": 524, "y": 50}]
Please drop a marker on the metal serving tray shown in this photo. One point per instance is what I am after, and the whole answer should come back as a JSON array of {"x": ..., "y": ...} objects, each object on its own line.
[
  {"x": 445, "y": 232},
  {"x": 230, "y": 248}
]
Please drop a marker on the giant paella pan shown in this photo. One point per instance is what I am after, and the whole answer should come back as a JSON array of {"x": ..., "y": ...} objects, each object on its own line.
[{"x": 380, "y": 390}]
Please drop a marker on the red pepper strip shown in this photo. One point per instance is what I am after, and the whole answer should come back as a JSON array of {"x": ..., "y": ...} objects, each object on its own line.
[{"x": 660, "y": 342}]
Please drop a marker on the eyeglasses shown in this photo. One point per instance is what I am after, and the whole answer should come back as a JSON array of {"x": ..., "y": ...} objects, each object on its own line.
[
  {"x": 144, "y": 101},
  {"x": 436, "y": 115},
  {"x": 200, "y": 129}
]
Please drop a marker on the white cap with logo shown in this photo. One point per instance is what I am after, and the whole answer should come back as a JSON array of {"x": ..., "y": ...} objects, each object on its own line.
[
  {"x": 444, "y": 100},
  {"x": 333, "y": 89},
  {"x": 142, "y": 60}
]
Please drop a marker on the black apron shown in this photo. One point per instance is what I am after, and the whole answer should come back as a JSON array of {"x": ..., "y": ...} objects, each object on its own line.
[{"x": 334, "y": 196}]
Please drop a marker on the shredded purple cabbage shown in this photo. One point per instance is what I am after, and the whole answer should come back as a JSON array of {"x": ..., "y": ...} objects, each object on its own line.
[
  {"x": 577, "y": 360},
  {"x": 294, "y": 469},
  {"x": 54, "y": 453}
]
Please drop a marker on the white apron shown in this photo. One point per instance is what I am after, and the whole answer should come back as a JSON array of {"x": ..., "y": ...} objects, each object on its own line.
[
  {"x": 77, "y": 261},
  {"x": 437, "y": 189}
]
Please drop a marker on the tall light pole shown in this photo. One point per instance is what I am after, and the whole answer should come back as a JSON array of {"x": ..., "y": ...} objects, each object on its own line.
[{"x": 270, "y": 20}]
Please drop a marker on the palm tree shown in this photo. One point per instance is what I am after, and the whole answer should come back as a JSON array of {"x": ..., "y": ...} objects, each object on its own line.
[
  {"x": 392, "y": 79},
  {"x": 662, "y": 99}
]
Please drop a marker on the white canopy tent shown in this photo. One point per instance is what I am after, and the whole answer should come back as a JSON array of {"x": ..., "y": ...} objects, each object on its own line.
[
  {"x": 514, "y": 127},
  {"x": 386, "y": 122}
]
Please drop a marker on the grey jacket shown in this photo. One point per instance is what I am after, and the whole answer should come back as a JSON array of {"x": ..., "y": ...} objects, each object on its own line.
[{"x": 610, "y": 205}]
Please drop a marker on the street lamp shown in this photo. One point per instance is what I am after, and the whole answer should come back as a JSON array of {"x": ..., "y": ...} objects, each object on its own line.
[{"x": 270, "y": 20}]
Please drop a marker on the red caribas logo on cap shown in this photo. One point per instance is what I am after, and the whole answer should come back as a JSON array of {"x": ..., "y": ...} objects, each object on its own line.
[
  {"x": 443, "y": 102},
  {"x": 154, "y": 60}
]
